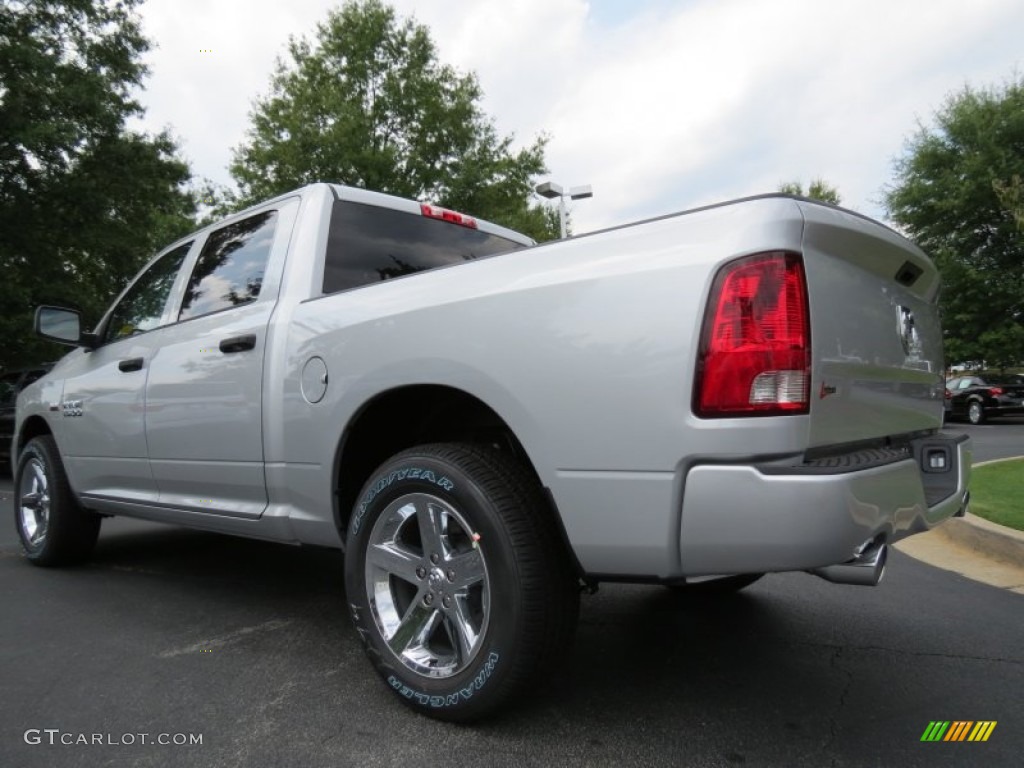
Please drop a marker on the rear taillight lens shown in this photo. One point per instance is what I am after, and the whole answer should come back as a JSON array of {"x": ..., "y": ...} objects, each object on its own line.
[
  {"x": 755, "y": 350},
  {"x": 995, "y": 391},
  {"x": 949, "y": 395}
]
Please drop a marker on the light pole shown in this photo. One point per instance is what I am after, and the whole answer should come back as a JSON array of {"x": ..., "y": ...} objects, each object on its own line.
[{"x": 551, "y": 190}]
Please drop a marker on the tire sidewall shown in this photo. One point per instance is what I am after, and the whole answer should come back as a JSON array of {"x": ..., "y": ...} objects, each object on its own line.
[{"x": 471, "y": 688}]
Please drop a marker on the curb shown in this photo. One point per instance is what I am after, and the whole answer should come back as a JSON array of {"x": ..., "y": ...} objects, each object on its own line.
[{"x": 987, "y": 538}]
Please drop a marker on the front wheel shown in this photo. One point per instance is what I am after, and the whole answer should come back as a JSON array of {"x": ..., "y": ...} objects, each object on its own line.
[
  {"x": 457, "y": 580},
  {"x": 975, "y": 413},
  {"x": 54, "y": 529}
]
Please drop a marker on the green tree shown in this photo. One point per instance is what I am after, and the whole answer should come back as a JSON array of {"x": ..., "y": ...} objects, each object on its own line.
[
  {"x": 957, "y": 192},
  {"x": 819, "y": 189},
  {"x": 368, "y": 104},
  {"x": 1011, "y": 196},
  {"x": 83, "y": 200}
]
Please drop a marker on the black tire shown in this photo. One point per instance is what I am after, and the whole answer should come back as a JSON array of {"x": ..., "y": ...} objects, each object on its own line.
[
  {"x": 721, "y": 585},
  {"x": 975, "y": 412},
  {"x": 503, "y": 576},
  {"x": 54, "y": 529}
]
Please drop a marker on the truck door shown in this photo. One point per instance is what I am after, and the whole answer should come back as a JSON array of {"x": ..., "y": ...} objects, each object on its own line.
[
  {"x": 204, "y": 419},
  {"x": 102, "y": 426}
]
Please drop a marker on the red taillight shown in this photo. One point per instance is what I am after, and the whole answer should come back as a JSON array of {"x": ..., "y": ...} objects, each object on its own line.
[
  {"x": 949, "y": 395},
  {"x": 994, "y": 391},
  {"x": 755, "y": 351},
  {"x": 434, "y": 212}
]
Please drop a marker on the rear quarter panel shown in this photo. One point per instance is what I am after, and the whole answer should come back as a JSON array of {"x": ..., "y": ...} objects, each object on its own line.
[{"x": 584, "y": 347}]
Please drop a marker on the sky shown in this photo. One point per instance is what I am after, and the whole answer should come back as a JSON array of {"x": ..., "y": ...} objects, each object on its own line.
[{"x": 659, "y": 105}]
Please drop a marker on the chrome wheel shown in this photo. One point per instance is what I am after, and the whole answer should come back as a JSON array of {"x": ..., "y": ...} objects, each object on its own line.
[
  {"x": 427, "y": 585},
  {"x": 34, "y": 503}
]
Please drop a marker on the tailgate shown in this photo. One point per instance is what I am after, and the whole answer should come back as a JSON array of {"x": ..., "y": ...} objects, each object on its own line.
[{"x": 876, "y": 339}]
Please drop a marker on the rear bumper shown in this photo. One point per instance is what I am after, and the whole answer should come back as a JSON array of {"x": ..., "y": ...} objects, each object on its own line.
[{"x": 742, "y": 519}]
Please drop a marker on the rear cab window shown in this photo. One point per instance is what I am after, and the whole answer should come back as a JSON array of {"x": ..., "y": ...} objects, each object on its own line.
[
  {"x": 368, "y": 244},
  {"x": 230, "y": 269}
]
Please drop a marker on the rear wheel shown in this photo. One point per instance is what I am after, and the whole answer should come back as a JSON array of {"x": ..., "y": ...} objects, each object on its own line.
[
  {"x": 715, "y": 585},
  {"x": 975, "y": 412},
  {"x": 54, "y": 529},
  {"x": 457, "y": 580}
]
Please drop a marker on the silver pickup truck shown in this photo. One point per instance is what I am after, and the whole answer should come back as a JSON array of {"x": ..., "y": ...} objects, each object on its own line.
[{"x": 486, "y": 426}]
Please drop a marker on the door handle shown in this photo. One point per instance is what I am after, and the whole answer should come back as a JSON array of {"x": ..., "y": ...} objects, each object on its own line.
[
  {"x": 131, "y": 364},
  {"x": 238, "y": 343}
]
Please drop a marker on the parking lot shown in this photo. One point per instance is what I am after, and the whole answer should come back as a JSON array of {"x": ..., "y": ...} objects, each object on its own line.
[{"x": 169, "y": 631}]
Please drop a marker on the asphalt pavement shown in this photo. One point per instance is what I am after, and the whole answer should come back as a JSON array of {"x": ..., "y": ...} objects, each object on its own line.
[
  {"x": 996, "y": 439},
  {"x": 177, "y": 634}
]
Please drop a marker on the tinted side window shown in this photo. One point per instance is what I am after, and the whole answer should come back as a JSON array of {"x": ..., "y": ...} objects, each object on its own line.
[
  {"x": 229, "y": 271},
  {"x": 140, "y": 309},
  {"x": 368, "y": 244}
]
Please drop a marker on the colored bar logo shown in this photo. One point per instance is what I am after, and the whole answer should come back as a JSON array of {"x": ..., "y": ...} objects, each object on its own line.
[{"x": 958, "y": 730}]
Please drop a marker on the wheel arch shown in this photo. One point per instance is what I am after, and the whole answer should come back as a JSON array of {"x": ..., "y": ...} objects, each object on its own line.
[
  {"x": 33, "y": 426},
  {"x": 406, "y": 416}
]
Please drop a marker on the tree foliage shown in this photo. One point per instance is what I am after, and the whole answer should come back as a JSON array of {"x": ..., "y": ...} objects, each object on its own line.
[
  {"x": 83, "y": 200},
  {"x": 368, "y": 104},
  {"x": 957, "y": 192},
  {"x": 819, "y": 189}
]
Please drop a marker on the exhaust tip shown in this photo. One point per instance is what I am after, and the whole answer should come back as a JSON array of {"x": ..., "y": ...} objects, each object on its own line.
[{"x": 865, "y": 570}]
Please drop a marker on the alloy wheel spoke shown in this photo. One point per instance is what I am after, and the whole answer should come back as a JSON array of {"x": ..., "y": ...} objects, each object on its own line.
[
  {"x": 416, "y": 627},
  {"x": 468, "y": 569},
  {"x": 461, "y": 626},
  {"x": 394, "y": 559},
  {"x": 39, "y": 478},
  {"x": 433, "y": 523}
]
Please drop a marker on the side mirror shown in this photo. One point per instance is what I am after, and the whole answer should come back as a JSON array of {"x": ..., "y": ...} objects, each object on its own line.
[{"x": 63, "y": 326}]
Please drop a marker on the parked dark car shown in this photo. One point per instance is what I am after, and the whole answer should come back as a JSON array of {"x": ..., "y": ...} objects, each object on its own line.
[
  {"x": 947, "y": 402},
  {"x": 11, "y": 383},
  {"x": 979, "y": 397}
]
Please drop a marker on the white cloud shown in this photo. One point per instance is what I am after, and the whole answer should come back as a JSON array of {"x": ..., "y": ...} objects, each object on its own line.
[{"x": 660, "y": 106}]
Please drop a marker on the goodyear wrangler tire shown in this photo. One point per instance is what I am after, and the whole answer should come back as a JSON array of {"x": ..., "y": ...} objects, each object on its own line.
[
  {"x": 54, "y": 529},
  {"x": 457, "y": 580}
]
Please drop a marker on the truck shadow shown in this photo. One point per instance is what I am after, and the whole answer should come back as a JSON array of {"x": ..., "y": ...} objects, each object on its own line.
[{"x": 648, "y": 665}]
